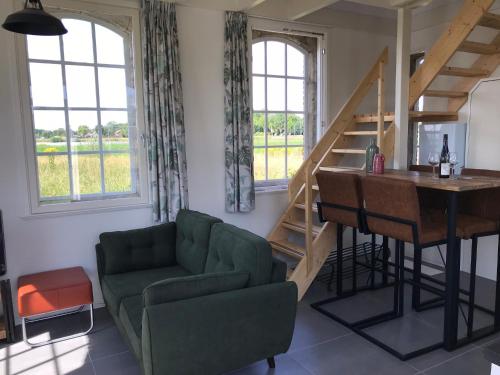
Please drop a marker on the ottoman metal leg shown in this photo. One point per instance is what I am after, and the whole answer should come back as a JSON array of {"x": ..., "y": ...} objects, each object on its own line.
[{"x": 25, "y": 320}]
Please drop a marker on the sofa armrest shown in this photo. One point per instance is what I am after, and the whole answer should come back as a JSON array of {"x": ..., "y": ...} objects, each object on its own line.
[
  {"x": 278, "y": 271},
  {"x": 220, "y": 332},
  {"x": 180, "y": 288}
]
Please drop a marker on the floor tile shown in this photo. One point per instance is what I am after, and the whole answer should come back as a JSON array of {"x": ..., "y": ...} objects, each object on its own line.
[
  {"x": 350, "y": 355},
  {"x": 477, "y": 362},
  {"x": 285, "y": 365},
  {"x": 119, "y": 364},
  {"x": 106, "y": 342},
  {"x": 312, "y": 328}
]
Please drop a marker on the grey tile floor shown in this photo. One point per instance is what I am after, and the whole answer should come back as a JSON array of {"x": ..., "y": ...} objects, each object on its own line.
[{"x": 320, "y": 346}]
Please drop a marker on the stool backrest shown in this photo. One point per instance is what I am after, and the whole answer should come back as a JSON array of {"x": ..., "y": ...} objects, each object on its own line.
[
  {"x": 483, "y": 203},
  {"x": 394, "y": 199},
  {"x": 420, "y": 168},
  {"x": 342, "y": 189}
]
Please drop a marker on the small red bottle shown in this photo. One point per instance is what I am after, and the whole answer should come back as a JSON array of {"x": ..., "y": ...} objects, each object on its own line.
[{"x": 378, "y": 164}]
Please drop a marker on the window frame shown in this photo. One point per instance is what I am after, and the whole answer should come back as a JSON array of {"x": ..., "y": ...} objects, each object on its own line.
[
  {"x": 278, "y": 184},
  {"x": 133, "y": 68}
]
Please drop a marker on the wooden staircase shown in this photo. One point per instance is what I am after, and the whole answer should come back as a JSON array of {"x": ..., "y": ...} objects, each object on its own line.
[
  {"x": 298, "y": 238},
  {"x": 436, "y": 62}
]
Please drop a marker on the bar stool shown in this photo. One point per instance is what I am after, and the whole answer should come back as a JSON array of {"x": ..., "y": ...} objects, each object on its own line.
[
  {"x": 341, "y": 202},
  {"x": 478, "y": 217},
  {"x": 393, "y": 210}
]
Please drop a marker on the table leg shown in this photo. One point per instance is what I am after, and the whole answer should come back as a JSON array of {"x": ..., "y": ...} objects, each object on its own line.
[{"x": 452, "y": 276}]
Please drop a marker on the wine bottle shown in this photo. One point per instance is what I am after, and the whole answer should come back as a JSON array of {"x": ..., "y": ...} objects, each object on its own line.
[{"x": 444, "y": 160}]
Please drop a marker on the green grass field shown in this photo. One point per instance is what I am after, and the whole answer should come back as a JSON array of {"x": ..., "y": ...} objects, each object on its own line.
[
  {"x": 277, "y": 140},
  {"x": 54, "y": 174},
  {"x": 109, "y": 144}
]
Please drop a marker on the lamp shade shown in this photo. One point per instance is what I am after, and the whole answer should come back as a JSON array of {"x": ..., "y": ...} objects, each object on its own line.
[{"x": 34, "y": 21}]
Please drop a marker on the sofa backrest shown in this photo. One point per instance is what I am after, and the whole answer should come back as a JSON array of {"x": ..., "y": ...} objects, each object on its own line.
[
  {"x": 193, "y": 235},
  {"x": 235, "y": 249},
  {"x": 137, "y": 249}
]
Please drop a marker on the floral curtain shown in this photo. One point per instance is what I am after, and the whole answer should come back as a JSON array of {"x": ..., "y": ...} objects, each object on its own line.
[
  {"x": 164, "y": 112},
  {"x": 240, "y": 190}
]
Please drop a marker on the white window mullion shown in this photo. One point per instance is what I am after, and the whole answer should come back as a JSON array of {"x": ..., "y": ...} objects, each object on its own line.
[
  {"x": 66, "y": 118},
  {"x": 266, "y": 115},
  {"x": 98, "y": 105}
]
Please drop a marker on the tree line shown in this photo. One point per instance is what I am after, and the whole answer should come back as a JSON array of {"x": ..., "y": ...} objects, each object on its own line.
[
  {"x": 276, "y": 123},
  {"x": 111, "y": 129}
]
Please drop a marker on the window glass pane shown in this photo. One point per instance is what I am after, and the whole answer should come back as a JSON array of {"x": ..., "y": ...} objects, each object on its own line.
[
  {"x": 109, "y": 46},
  {"x": 80, "y": 86},
  {"x": 276, "y": 94},
  {"x": 43, "y": 47},
  {"x": 53, "y": 175},
  {"x": 276, "y": 129},
  {"x": 258, "y": 58},
  {"x": 84, "y": 131},
  {"x": 295, "y": 62},
  {"x": 259, "y": 120},
  {"x": 115, "y": 130},
  {"x": 50, "y": 131},
  {"x": 46, "y": 85},
  {"x": 112, "y": 88},
  {"x": 295, "y": 92},
  {"x": 276, "y": 58},
  {"x": 259, "y": 162},
  {"x": 276, "y": 163},
  {"x": 258, "y": 93},
  {"x": 117, "y": 176},
  {"x": 295, "y": 129},
  {"x": 78, "y": 41},
  {"x": 295, "y": 159},
  {"x": 86, "y": 174}
]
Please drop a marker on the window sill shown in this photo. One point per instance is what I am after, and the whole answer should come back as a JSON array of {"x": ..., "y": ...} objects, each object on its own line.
[
  {"x": 85, "y": 211},
  {"x": 271, "y": 189}
]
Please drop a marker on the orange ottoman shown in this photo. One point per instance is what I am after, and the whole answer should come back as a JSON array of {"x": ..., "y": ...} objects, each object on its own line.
[{"x": 52, "y": 291}]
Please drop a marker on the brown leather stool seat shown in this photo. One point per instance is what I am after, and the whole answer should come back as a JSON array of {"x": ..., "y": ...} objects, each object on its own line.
[
  {"x": 393, "y": 209},
  {"x": 341, "y": 202},
  {"x": 470, "y": 225}
]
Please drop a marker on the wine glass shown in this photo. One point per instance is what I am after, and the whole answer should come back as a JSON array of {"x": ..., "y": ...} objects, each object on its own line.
[
  {"x": 453, "y": 163},
  {"x": 433, "y": 160}
]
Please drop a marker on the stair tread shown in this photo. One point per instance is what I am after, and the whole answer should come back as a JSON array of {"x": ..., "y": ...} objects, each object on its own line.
[
  {"x": 479, "y": 48},
  {"x": 302, "y": 206},
  {"x": 373, "y": 117},
  {"x": 348, "y": 151},
  {"x": 341, "y": 169},
  {"x": 288, "y": 248},
  {"x": 446, "y": 94},
  {"x": 463, "y": 72},
  {"x": 430, "y": 116},
  {"x": 490, "y": 20},
  {"x": 300, "y": 226},
  {"x": 361, "y": 132}
]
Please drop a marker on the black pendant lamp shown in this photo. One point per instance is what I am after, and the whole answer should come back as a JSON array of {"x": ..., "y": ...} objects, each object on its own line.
[{"x": 34, "y": 20}]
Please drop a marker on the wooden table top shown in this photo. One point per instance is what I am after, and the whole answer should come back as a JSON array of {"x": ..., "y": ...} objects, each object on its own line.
[{"x": 426, "y": 180}]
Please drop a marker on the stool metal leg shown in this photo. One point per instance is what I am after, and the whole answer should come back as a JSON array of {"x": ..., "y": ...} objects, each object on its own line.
[
  {"x": 354, "y": 260},
  {"x": 385, "y": 259},
  {"x": 25, "y": 320},
  {"x": 340, "y": 260},
  {"x": 417, "y": 272},
  {"x": 372, "y": 271},
  {"x": 401, "y": 278},
  {"x": 472, "y": 287}
]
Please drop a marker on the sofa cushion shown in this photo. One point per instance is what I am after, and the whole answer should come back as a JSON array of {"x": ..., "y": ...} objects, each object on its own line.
[
  {"x": 179, "y": 288},
  {"x": 138, "y": 249},
  {"x": 131, "y": 319},
  {"x": 235, "y": 249},
  {"x": 193, "y": 234},
  {"x": 122, "y": 285}
]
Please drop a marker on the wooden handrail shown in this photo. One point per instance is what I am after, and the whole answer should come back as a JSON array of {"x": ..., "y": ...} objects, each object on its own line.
[{"x": 338, "y": 125}]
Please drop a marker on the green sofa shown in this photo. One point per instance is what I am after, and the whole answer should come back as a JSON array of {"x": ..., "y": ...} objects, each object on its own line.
[{"x": 196, "y": 296}]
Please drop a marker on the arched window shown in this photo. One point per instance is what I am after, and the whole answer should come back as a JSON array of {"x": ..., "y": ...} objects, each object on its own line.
[
  {"x": 83, "y": 112},
  {"x": 279, "y": 80}
]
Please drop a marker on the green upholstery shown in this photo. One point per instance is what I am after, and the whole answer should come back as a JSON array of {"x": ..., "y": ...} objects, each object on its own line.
[
  {"x": 138, "y": 249},
  {"x": 219, "y": 302},
  {"x": 218, "y": 333},
  {"x": 116, "y": 287},
  {"x": 235, "y": 249},
  {"x": 193, "y": 286},
  {"x": 193, "y": 233},
  {"x": 131, "y": 320}
]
